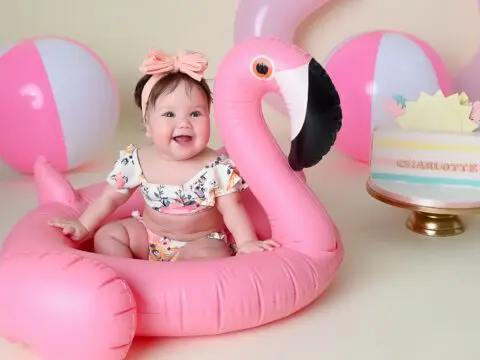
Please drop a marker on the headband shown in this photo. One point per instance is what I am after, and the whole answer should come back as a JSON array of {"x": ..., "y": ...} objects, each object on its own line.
[{"x": 160, "y": 64}]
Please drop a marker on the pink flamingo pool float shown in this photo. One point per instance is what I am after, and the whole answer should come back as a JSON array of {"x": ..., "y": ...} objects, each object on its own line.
[{"x": 69, "y": 303}]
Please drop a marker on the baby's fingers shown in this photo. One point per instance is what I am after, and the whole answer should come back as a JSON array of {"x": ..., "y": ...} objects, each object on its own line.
[
  {"x": 270, "y": 245},
  {"x": 68, "y": 230},
  {"x": 57, "y": 223},
  {"x": 272, "y": 242},
  {"x": 75, "y": 236}
]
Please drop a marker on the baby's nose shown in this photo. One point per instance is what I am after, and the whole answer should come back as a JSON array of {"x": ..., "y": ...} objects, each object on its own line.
[{"x": 185, "y": 124}]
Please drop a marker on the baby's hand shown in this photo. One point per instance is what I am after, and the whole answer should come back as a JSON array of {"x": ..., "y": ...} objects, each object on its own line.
[
  {"x": 72, "y": 228},
  {"x": 257, "y": 245}
]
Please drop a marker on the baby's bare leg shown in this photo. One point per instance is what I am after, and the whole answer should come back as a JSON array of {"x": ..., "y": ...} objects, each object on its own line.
[
  {"x": 124, "y": 238},
  {"x": 204, "y": 249}
]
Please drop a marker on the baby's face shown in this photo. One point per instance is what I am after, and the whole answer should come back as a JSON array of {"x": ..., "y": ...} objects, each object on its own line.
[{"x": 179, "y": 123}]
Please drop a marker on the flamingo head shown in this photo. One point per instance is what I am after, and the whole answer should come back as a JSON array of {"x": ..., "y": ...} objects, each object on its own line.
[{"x": 263, "y": 65}]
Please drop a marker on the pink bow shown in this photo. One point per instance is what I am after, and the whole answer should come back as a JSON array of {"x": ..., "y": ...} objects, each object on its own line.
[{"x": 159, "y": 63}]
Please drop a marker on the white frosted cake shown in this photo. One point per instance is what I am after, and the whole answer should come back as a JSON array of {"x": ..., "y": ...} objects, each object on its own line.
[{"x": 434, "y": 141}]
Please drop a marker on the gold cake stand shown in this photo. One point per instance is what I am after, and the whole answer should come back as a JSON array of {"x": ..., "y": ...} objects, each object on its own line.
[{"x": 432, "y": 214}]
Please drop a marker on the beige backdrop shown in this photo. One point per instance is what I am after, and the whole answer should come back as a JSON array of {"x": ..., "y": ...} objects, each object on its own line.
[{"x": 122, "y": 31}]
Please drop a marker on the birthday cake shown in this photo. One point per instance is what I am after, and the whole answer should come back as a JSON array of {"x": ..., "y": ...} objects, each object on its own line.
[{"x": 433, "y": 141}]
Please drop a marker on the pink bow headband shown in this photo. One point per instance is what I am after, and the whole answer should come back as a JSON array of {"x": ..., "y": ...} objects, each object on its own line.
[{"x": 160, "y": 64}]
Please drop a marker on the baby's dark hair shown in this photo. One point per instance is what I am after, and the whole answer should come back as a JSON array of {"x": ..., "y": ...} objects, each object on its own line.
[{"x": 167, "y": 84}]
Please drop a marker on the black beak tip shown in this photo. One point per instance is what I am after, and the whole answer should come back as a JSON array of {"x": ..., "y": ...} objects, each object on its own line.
[
  {"x": 323, "y": 120},
  {"x": 294, "y": 165}
]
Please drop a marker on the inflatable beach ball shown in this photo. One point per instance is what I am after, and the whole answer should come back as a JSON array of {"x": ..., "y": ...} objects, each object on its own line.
[
  {"x": 373, "y": 67},
  {"x": 57, "y": 100}
]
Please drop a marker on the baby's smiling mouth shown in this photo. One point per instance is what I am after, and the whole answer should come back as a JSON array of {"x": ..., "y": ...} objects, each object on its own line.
[{"x": 182, "y": 139}]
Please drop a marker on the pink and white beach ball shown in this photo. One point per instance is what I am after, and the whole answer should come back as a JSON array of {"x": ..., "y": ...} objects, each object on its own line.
[
  {"x": 372, "y": 67},
  {"x": 57, "y": 100}
]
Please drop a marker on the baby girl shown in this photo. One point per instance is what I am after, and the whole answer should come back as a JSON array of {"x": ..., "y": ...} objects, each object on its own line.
[{"x": 191, "y": 193}]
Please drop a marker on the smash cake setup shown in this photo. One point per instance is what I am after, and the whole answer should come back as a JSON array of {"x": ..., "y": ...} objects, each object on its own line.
[
  {"x": 434, "y": 141},
  {"x": 428, "y": 161}
]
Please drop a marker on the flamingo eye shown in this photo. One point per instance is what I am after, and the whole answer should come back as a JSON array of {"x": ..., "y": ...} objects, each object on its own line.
[{"x": 262, "y": 67}]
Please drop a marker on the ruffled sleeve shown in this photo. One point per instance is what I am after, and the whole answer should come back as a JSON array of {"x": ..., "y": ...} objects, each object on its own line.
[
  {"x": 227, "y": 177},
  {"x": 126, "y": 173}
]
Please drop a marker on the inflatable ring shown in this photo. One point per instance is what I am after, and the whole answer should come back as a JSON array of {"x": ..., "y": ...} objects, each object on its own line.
[{"x": 70, "y": 303}]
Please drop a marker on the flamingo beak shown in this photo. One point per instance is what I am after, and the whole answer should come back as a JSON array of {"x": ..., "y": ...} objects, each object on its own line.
[{"x": 313, "y": 104}]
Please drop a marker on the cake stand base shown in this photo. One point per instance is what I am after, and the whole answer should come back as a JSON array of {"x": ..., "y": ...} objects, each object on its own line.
[
  {"x": 431, "y": 213},
  {"x": 437, "y": 225}
]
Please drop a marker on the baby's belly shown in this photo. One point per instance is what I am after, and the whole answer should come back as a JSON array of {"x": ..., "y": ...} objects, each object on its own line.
[{"x": 184, "y": 227}]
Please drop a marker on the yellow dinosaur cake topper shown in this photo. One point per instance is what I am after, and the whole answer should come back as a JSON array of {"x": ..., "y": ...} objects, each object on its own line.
[{"x": 438, "y": 113}]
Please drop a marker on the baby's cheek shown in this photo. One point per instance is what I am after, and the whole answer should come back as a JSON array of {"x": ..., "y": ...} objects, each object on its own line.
[
  {"x": 163, "y": 131},
  {"x": 202, "y": 130},
  {"x": 162, "y": 140}
]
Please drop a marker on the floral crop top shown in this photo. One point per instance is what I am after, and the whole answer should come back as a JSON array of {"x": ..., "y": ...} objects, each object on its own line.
[{"x": 217, "y": 178}]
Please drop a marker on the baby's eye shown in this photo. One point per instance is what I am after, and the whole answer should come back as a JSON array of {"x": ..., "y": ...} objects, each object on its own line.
[
  {"x": 168, "y": 114},
  {"x": 196, "y": 114}
]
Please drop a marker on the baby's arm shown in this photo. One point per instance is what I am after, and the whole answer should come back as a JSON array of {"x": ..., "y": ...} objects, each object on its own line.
[
  {"x": 238, "y": 223},
  {"x": 103, "y": 206},
  {"x": 94, "y": 214},
  {"x": 236, "y": 218},
  {"x": 123, "y": 179}
]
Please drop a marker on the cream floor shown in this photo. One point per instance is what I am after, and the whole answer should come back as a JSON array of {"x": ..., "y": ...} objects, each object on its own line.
[{"x": 398, "y": 295}]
